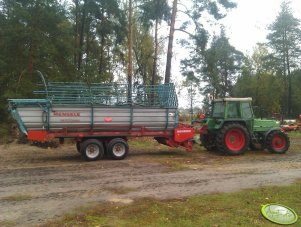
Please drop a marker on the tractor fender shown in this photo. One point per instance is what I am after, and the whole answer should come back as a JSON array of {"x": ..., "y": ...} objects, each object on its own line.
[
  {"x": 269, "y": 131},
  {"x": 242, "y": 122}
]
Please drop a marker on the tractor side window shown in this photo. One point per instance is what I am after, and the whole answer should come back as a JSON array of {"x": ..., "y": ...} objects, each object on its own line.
[
  {"x": 218, "y": 110},
  {"x": 246, "y": 110},
  {"x": 233, "y": 110}
]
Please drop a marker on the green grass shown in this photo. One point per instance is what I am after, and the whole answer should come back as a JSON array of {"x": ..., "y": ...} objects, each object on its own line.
[
  {"x": 222, "y": 210},
  {"x": 174, "y": 158},
  {"x": 7, "y": 223},
  {"x": 295, "y": 135},
  {"x": 144, "y": 143}
]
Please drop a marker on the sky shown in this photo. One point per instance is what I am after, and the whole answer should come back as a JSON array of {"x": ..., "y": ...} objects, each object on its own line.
[{"x": 245, "y": 26}]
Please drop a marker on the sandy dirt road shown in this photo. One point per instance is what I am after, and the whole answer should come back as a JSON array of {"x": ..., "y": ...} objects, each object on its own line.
[{"x": 38, "y": 185}]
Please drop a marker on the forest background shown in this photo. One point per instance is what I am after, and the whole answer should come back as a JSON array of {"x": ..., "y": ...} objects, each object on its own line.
[{"x": 131, "y": 41}]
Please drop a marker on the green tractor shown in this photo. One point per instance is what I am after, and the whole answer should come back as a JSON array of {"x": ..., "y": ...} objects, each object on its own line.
[{"x": 232, "y": 129}]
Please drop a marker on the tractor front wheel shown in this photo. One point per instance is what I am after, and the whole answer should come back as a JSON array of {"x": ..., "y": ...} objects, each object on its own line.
[
  {"x": 233, "y": 139},
  {"x": 277, "y": 142}
]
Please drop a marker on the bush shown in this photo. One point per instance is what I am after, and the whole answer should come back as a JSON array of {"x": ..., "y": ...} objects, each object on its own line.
[{"x": 7, "y": 133}]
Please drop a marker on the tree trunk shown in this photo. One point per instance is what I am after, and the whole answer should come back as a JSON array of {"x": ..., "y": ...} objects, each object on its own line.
[
  {"x": 76, "y": 33},
  {"x": 170, "y": 41},
  {"x": 109, "y": 64},
  {"x": 81, "y": 37},
  {"x": 87, "y": 52},
  {"x": 154, "y": 75},
  {"x": 289, "y": 103},
  {"x": 101, "y": 68},
  {"x": 140, "y": 66},
  {"x": 130, "y": 51},
  {"x": 288, "y": 73}
]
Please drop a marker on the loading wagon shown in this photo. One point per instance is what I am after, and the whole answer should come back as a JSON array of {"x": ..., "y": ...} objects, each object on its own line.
[{"x": 101, "y": 117}]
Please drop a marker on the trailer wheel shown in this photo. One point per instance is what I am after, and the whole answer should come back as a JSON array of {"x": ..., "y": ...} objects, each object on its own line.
[
  {"x": 118, "y": 148},
  {"x": 92, "y": 149},
  {"x": 233, "y": 139},
  {"x": 277, "y": 142}
]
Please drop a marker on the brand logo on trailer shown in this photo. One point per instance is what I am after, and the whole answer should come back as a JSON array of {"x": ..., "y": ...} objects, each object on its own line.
[
  {"x": 184, "y": 130},
  {"x": 66, "y": 114}
]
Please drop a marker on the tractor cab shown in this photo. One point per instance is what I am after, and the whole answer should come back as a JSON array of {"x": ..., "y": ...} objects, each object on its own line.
[{"x": 232, "y": 108}]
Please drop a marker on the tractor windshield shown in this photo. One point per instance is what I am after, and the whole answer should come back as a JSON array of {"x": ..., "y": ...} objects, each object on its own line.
[{"x": 218, "y": 109}]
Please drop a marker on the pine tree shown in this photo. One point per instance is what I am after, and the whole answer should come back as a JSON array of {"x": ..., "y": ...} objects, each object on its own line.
[
  {"x": 285, "y": 41},
  {"x": 154, "y": 11}
]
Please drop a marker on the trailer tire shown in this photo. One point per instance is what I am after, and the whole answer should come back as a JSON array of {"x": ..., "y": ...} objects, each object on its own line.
[
  {"x": 118, "y": 148},
  {"x": 92, "y": 149}
]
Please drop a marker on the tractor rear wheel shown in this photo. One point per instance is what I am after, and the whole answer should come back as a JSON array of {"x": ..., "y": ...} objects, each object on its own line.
[
  {"x": 208, "y": 141},
  {"x": 233, "y": 139},
  {"x": 277, "y": 142}
]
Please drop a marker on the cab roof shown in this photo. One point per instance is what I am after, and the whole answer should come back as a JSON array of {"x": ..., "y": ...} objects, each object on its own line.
[{"x": 248, "y": 99}]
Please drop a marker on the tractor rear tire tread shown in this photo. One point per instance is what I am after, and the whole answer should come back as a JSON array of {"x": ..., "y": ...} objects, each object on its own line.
[
  {"x": 220, "y": 139},
  {"x": 269, "y": 144},
  {"x": 207, "y": 143}
]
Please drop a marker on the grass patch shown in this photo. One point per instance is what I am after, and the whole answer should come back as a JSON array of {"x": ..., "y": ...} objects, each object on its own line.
[
  {"x": 5, "y": 134},
  {"x": 227, "y": 209},
  {"x": 17, "y": 198},
  {"x": 295, "y": 135},
  {"x": 175, "y": 164},
  {"x": 175, "y": 159},
  {"x": 7, "y": 223},
  {"x": 295, "y": 145},
  {"x": 150, "y": 150},
  {"x": 143, "y": 143}
]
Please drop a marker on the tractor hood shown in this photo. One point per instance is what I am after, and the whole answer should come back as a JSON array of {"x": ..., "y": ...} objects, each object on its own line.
[{"x": 264, "y": 125}]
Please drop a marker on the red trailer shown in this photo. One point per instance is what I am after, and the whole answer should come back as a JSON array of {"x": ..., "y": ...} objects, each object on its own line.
[{"x": 101, "y": 117}]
